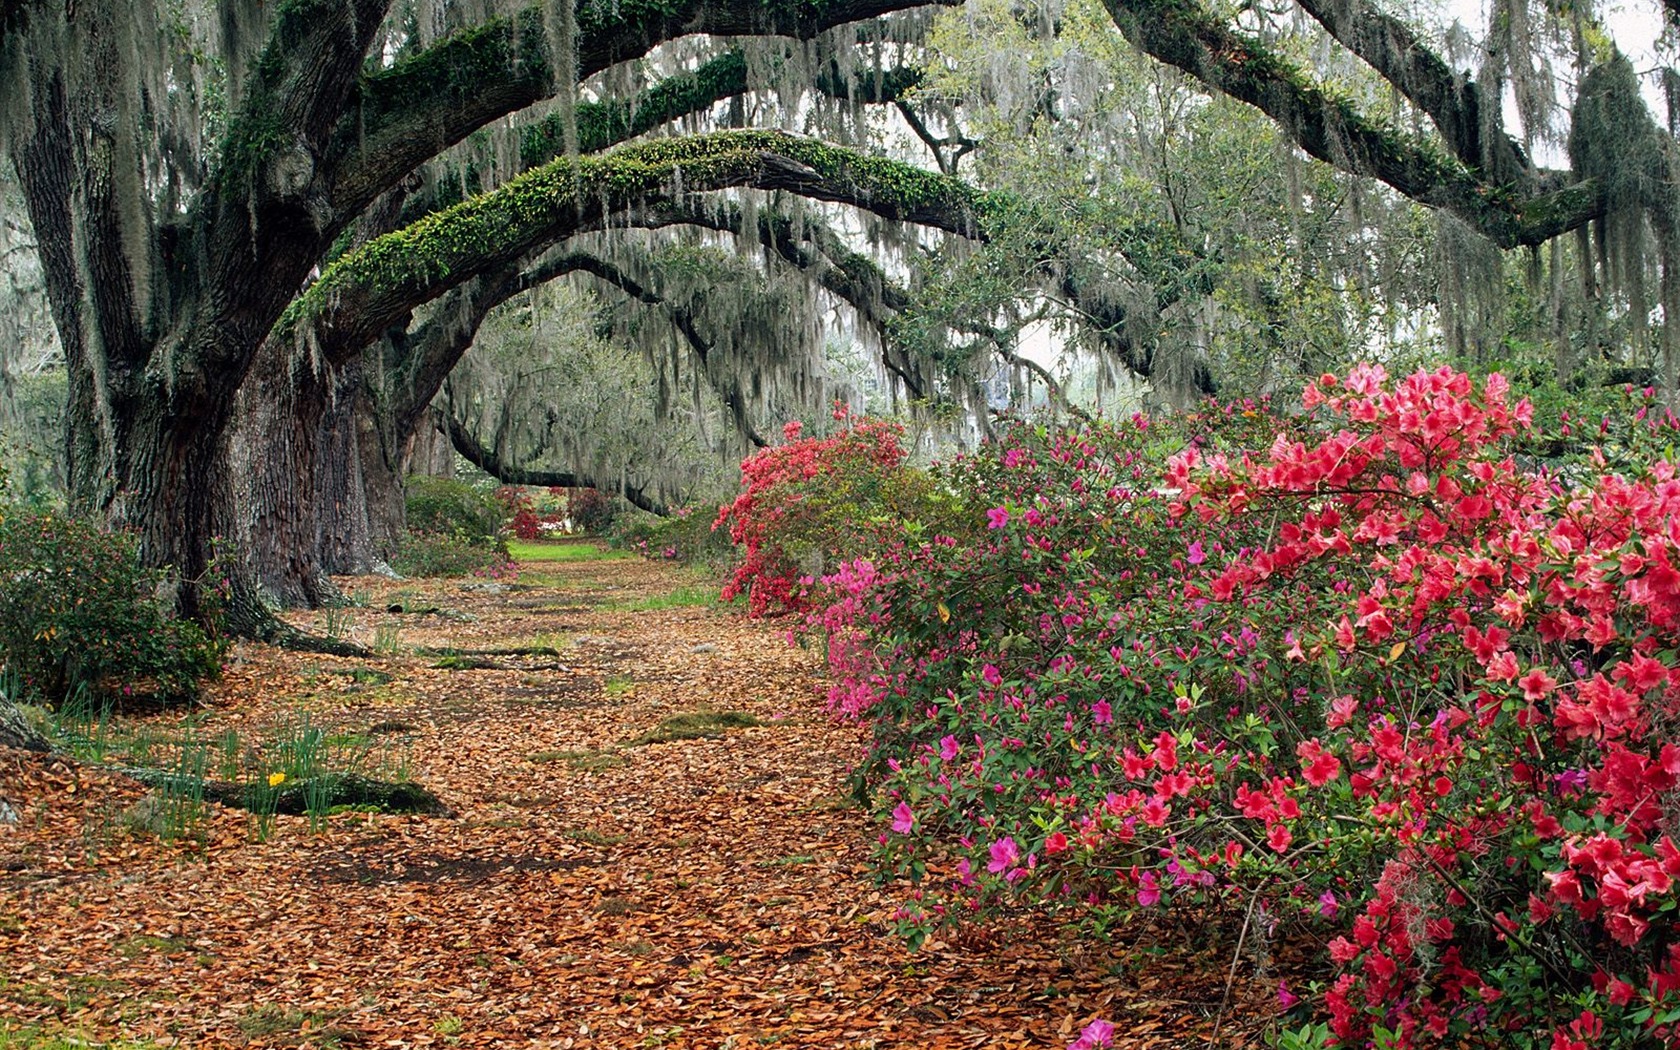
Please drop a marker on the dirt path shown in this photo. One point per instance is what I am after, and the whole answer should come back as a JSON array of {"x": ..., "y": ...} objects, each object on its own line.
[{"x": 589, "y": 891}]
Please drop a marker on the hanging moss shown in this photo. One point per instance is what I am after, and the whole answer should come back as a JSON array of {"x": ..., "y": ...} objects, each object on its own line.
[
  {"x": 1614, "y": 140},
  {"x": 515, "y": 217}
]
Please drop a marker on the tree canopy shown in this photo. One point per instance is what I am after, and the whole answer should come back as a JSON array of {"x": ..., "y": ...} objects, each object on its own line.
[{"x": 258, "y": 223}]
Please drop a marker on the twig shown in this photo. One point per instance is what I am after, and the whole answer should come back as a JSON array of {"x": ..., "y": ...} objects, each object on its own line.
[{"x": 1231, "y": 975}]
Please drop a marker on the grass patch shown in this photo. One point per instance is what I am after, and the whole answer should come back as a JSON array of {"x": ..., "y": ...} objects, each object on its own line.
[
  {"x": 695, "y": 725},
  {"x": 619, "y": 685},
  {"x": 593, "y": 837},
  {"x": 362, "y": 675},
  {"x": 144, "y": 943},
  {"x": 583, "y": 761},
  {"x": 792, "y": 861},
  {"x": 37, "y": 1039},
  {"x": 272, "y": 1019},
  {"x": 687, "y": 596},
  {"x": 561, "y": 550},
  {"x": 465, "y": 663}
]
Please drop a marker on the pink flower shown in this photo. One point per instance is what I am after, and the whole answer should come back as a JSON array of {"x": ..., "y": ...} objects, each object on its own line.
[
  {"x": 1278, "y": 837},
  {"x": 1286, "y": 998},
  {"x": 1004, "y": 855},
  {"x": 903, "y": 819},
  {"x": 1097, "y": 1033},
  {"x": 997, "y": 517},
  {"x": 1197, "y": 555},
  {"x": 948, "y": 748},
  {"x": 1149, "y": 891},
  {"x": 992, "y": 676}
]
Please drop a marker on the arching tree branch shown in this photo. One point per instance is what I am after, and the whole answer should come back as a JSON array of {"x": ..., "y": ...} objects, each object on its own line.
[
  {"x": 491, "y": 463},
  {"x": 1185, "y": 35},
  {"x": 368, "y": 290},
  {"x": 434, "y": 99}
]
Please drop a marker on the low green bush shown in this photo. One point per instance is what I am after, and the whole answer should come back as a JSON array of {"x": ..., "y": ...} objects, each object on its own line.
[
  {"x": 450, "y": 507},
  {"x": 79, "y": 612},
  {"x": 448, "y": 554},
  {"x": 686, "y": 536}
]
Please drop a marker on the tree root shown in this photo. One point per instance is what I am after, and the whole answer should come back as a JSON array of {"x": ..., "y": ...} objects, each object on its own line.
[{"x": 293, "y": 798}]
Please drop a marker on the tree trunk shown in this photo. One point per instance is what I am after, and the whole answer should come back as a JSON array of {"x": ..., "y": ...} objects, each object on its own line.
[
  {"x": 346, "y": 545},
  {"x": 273, "y": 462}
]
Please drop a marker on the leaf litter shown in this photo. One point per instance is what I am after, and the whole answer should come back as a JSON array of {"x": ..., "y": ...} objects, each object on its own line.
[{"x": 652, "y": 846}]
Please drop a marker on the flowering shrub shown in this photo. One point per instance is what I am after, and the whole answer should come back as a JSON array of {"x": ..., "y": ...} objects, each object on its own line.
[
  {"x": 522, "y": 517},
  {"x": 810, "y": 500},
  {"x": 1360, "y": 671},
  {"x": 78, "y": 611},
  {"x": 591, "y": 510}
]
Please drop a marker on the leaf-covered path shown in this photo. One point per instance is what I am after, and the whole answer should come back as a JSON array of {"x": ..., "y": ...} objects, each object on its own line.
[{"x": 593, "y": 887}]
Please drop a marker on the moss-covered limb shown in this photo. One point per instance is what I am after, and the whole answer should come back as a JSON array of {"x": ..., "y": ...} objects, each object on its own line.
[
  {"x": 372, "y": 288},
  {"x": 604, "y": 124},
  {"x": 1182, "y": 34},
  {"x": 294, "y": 797},
  {"x": 266, "y": 179},
  {"x": 1389, "y": 46},
  {"x": 436, "y": 98},
  {"x": 880, "y": 88},
  {"x": 600, "y": 125},
  {"x": 488, "y": 460}
]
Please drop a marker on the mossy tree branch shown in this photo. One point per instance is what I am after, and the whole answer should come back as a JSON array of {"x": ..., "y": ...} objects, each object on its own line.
[
  {"x": 432, "y": 100},
  {"x": 372, "y": 288},
  {"x": 1181, "y": 33},
  {"x": 603, "y": 124}
]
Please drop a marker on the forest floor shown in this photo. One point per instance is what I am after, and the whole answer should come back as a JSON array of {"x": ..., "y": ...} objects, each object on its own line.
[{"x": 591, "y": 887}]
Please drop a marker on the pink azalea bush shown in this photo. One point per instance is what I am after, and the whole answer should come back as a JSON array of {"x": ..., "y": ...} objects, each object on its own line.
[
  {"x": 1379, "y": 671},
  {"x": 810, "y": 500}
]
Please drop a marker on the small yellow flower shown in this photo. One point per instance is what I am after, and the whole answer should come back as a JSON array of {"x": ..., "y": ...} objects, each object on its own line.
[{"x": 276, "y": 779}]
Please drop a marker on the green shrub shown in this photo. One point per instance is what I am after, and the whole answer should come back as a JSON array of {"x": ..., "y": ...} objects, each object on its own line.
[
  {"x": 78, "y": 611},
  {"x": 454, "y": 508},
  {"x": 686, "y": 536},
  {"x": 448, "y": 554}
]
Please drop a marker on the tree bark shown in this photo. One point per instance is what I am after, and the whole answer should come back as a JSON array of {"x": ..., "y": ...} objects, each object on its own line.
[{"x": 15, "y": 730}]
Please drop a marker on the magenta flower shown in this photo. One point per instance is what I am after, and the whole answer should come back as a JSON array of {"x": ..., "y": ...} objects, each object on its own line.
[
  {"x": 991, "y": 675},
  {"x": 1005, "y": 854},
  {"x": 948, "y": 748},
  {"x": 1097, "y": 1033},
  {"x": 1197, "y": 556},
  {"x": 1149, "y": 891},
  {"x": 997, "y": 517},
  {"x": 1286, "y": 998},
  {"x": 903, "y": 819}
]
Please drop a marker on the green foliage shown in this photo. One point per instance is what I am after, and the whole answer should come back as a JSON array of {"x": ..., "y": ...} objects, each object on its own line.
[
  {"x": 686, "y": 536},
  {"x": 79, "y": 612},
  {"x": 445, "y": 505},
  {"x": 454, "y": 529},
  {"x": 441, "y": 554},
  {"x": 695, "y": 725}
]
